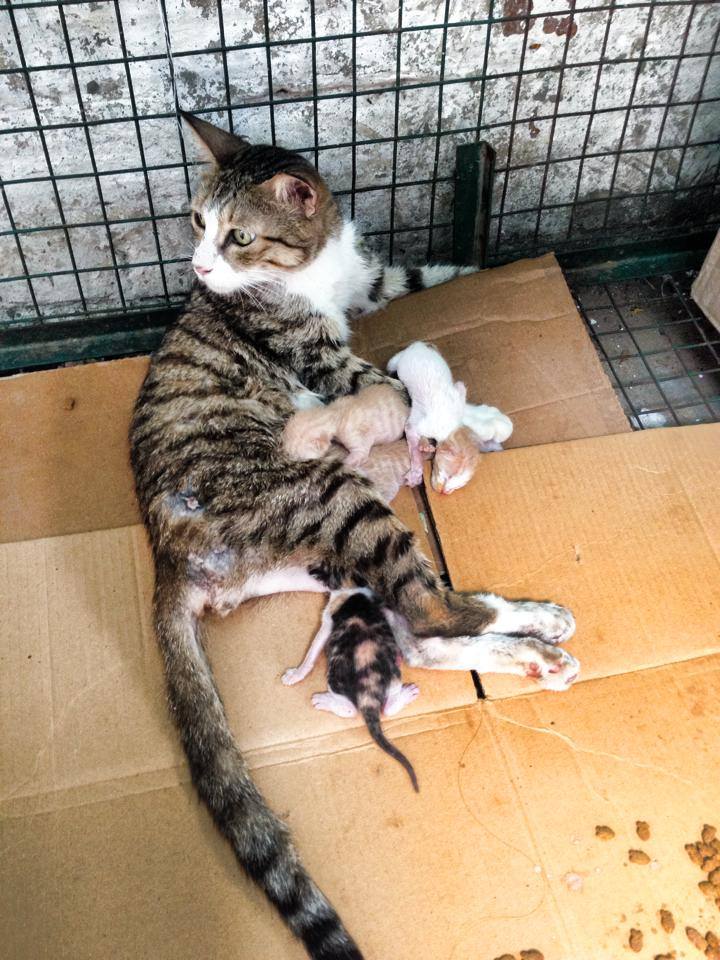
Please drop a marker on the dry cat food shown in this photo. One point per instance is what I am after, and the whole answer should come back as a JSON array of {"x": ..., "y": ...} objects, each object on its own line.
[
  {"x": 665, "y": 956},
  {"x": 638, "y": 856},
  {"x": 531, "y": 955},
  {"x": 708, "y": 889},
  {"x": 667, "y": 921},
  {"x": 635, "y": 940},
  {"x": 712, "y": 940},
  {"x": 505, "y": 956},
  {"x": 694, "y": 853},
  {"x": 642, "y": 829},
  {"x": 713, "y": 953},
  {"x": 708, "y": 833},
  {"x": 696, "y": 938},
  {"x": 605, "y": 833}
]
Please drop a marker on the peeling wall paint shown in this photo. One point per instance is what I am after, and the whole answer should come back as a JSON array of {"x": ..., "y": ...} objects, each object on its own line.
[{"x": 606, "y": 124}]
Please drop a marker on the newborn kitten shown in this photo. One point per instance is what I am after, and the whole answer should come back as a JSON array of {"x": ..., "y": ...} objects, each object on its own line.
[
  {"x": 376, "y": 414},
  {"x": 456, "y": 460},
  {"x": 363, "y": 670},
  {"x": 388, "y": 464}
]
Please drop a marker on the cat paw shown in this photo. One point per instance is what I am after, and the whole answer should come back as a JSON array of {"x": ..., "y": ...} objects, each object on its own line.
[
  {"x": 550, "y": 622},
  {"x": 546, "y": 621},
  {"x": 552, "y": 667},
  {"x": 400, "y": 698},
  {"x": 291, "y": 676},
  {"x": 334, "y": 703},
  {"x": 413, "y": 478}
]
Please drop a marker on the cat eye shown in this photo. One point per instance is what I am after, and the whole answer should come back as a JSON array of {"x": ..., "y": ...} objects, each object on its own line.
[
  {"x": 198, "y": 221},
  {"x": 242, "y": 237}
]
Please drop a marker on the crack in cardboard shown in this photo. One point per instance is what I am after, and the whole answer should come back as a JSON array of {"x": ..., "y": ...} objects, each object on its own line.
[{"x": 604, "y": 754}]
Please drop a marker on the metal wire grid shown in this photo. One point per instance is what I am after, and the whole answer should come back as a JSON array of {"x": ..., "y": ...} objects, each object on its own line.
[
  {"x": 660, "y": 352},
  {"x": 571, "y": 216}
]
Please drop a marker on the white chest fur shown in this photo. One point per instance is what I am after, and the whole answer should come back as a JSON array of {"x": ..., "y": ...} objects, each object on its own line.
[{"x": 335, "y": 279}]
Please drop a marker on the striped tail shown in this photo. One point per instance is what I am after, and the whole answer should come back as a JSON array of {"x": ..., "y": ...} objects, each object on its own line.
[
  {"x": 260, "y": 840},
  {"x": 389, "y": 283}
]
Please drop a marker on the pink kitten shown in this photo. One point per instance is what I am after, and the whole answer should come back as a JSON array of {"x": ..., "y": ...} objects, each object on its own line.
[
  {"x": 376, "y": 414},
  {"x": 388, "y": 465}
]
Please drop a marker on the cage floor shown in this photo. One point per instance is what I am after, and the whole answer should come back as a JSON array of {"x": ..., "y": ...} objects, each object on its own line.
[{"x": 660, "y": 352}]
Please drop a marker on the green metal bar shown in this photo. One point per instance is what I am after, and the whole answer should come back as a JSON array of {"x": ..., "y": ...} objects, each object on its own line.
[
  {"x": 473, "y": 200},
  {"x": 642, "y": 259}
]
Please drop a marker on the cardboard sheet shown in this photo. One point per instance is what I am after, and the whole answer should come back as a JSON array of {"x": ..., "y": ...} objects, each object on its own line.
[
  {"x": 514, "y": 336},
  {"x": 624, "y": 530},
  {"x": 496, "y": 854}
]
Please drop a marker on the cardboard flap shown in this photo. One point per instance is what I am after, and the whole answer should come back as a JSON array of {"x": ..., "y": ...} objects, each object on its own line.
[{"x": 624, "y": 530}]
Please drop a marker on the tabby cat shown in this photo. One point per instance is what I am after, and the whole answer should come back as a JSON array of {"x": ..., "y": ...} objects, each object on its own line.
[{"x": 230, "y": 516}]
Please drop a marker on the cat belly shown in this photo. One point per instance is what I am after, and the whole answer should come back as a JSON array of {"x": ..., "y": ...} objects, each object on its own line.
[{"x": 222, "y": 598}]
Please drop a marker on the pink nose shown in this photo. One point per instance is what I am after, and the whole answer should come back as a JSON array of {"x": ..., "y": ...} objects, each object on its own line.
[{"x": 201, "y": 271}]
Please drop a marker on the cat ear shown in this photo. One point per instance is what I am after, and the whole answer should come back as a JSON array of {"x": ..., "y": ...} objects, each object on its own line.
[
  {"x": 293, "y": 191},
  {"x": 461, "y": 389},
  {"x": 217, "y": 144}
]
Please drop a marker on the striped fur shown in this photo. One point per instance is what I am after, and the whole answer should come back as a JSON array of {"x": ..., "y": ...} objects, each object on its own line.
[{"x": 230, "y": 516}]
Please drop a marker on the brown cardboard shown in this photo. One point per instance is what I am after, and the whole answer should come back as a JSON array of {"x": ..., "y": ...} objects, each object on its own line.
[
  {"x": 478, "y": 864},
  {"x": 706, "y": 286},
  {"x": 624, "y": 530},
  {"x": 514, "y": 336}
]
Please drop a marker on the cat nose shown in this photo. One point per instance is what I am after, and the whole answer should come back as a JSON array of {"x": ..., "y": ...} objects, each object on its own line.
[{"x": 201, "y": 271}]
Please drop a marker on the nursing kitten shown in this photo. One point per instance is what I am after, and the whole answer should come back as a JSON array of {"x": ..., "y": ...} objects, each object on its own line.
[
  {"x": 363, "y": 667},
  {"x": 231, "y": 516},
  {"x": 437, "y": 403},
  {"x": 376, "y": 414},
  {"x": 387, "y": 465}
]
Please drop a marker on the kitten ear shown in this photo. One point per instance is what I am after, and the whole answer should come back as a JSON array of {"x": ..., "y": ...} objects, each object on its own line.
[
  {"x": 217, "y": 144},
  {"x": 293, "y": 191}
]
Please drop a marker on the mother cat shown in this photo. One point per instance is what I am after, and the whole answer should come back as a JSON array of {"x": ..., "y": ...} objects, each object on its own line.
[{"x": 229, "y": 517}]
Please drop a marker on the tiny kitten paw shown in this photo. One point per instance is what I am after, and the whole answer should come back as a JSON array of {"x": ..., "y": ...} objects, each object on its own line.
[
  {"x": 291, "y": 676},
  {"x": 413, "y": 477},
  {"x": 400, "y": 698}
]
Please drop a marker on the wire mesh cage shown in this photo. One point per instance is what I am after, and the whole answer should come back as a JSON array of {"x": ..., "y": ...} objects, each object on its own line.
[{"x": 604, "y": 117}]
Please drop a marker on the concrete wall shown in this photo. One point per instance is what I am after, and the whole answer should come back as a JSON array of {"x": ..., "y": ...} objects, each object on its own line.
[{"x": 564, "y": 124}]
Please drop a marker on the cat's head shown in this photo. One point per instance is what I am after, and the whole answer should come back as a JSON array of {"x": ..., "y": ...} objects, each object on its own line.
[
  {"x": 262, "y": 211},
  {"x": 456, "y": 460}
]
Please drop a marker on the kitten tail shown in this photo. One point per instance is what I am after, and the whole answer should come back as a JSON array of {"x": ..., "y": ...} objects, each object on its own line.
[{"x": 371, "y": 716}]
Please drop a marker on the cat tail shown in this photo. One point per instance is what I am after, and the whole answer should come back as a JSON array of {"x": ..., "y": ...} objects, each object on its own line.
[
  {"x": 371, "y": 715},
  {"x": 392, "y": 282},
  {"x": 261, "y": 841}
]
